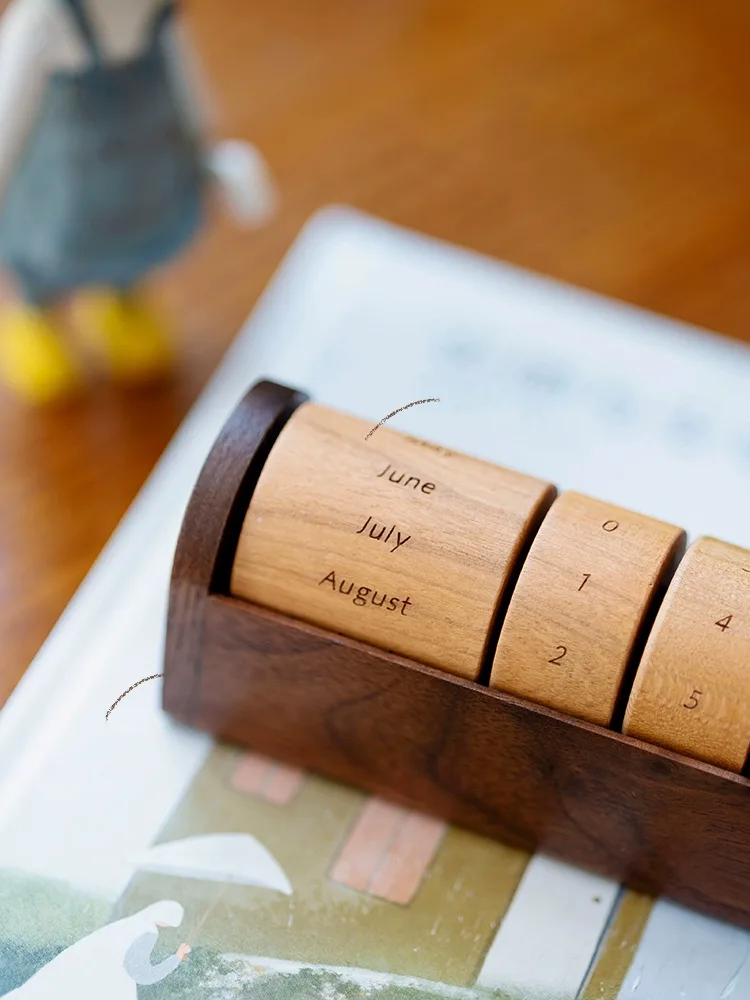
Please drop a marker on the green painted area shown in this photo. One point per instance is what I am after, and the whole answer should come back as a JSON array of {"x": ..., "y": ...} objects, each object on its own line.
[
  {"x": 38, "y": 919},
  {"x": 205, "y": 976},
  {"x": 46, "y": 912},
  {"x": 442, "y": 935}
]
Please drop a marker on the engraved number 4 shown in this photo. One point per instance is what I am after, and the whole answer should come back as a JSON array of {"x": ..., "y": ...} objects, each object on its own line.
[{"x": 723, "y": 623}]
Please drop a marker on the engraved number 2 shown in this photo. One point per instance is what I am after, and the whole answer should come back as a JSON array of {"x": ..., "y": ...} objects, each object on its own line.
[
  {"x": 693, "y": 700},
  {"x": 561, "y": 651}
]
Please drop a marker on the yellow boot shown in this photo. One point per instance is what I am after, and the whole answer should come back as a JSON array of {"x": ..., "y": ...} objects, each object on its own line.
[
  {"x": 123, "y": 334},
  {"x": 34, "y": 360}
]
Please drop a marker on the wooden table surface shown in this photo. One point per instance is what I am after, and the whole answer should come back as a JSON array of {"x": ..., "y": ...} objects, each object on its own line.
[{"x": 607, "y": 144}]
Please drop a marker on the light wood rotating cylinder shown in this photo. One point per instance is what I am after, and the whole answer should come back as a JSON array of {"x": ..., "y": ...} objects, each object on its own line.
[
  {"x": 583, "y": 598},
  {"x": 399, "y": 543},
  {"x": 692, "y": 689}
]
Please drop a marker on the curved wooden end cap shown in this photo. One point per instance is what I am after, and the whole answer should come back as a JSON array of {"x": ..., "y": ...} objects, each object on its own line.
[{"x": 210, "y": 530}]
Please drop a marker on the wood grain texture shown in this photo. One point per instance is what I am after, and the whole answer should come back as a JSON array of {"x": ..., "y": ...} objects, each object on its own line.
[
  {"x": 394, "y": 541},
  {"x": 606, "y": 144},
  {"x": 585, "y": 596},
  {"x": 692, "y": 688}
]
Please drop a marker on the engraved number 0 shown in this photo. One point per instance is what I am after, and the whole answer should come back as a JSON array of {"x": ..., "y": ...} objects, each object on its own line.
[{"x": 562, "y": 650}]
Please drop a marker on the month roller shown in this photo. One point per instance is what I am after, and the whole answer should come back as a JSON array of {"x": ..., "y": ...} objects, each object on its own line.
[
  {"x": 400, "y": 543},
  {"x": 692, "y": 689}
]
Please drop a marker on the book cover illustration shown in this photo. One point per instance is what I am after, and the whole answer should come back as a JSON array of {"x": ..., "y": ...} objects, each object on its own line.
[{"x": 268, "y": 882}]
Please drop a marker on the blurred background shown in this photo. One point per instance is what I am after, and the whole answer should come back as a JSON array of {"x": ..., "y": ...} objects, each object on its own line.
[{"x": 604, "y": 143}]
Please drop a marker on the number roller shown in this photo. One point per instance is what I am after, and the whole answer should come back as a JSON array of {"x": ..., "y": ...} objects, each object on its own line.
[{"x": 455, "y": 636}]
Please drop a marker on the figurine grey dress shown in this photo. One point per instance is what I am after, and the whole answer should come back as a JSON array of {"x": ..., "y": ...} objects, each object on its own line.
[
  {"x": 138, "y": 965},
  {"x": 110, "y": 182}
]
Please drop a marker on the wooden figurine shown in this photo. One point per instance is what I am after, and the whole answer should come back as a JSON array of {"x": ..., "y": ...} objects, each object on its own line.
[{"x": 105, "y": 164}]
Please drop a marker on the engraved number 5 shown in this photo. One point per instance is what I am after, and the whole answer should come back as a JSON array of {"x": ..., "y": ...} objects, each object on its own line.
[{"x": 693, "y": 700}]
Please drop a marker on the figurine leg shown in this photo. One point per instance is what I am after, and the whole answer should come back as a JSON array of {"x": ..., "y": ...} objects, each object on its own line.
[
  {"x": 35, "y": 362},
  {"x": 123, "y": 333}
]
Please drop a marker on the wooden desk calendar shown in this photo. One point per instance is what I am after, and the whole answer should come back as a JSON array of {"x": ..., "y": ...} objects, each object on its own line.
[{"x": 266, "y": 649}]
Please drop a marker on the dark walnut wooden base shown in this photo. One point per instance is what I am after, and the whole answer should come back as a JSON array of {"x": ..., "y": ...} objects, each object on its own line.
[{"x": 660, "y": 822}]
